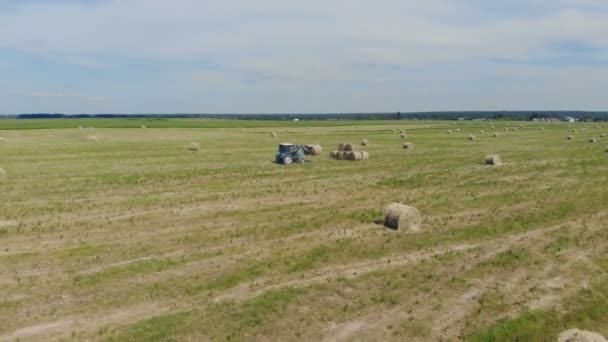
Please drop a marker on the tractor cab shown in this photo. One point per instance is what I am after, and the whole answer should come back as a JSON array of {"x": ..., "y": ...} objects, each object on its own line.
[{"x": 289, "y": 153}]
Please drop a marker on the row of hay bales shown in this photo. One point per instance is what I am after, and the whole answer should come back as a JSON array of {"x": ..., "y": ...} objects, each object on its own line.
[
  {"x": 349, "y": 155},
  {"x": 348, "y": 152}
]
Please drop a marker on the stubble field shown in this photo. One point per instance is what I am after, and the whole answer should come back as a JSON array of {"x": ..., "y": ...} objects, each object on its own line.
[{"x": 133, "y": 237}]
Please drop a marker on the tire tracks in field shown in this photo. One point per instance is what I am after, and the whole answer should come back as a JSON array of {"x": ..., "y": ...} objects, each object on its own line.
[
  {"x": 63, "y": 328},
  {"x": 247, "y": 290},
  {"x": 450, "y": 323}
]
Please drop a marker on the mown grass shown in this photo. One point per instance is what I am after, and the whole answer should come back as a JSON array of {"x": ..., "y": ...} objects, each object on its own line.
[
  {"x": 586, "y": 310},
  {"x": 73, "y": 211}
]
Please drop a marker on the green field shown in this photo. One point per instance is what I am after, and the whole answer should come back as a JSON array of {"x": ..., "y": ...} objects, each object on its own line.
[{"x": 134, "y": 238}]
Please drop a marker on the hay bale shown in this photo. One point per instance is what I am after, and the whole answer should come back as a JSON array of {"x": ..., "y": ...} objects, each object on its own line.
[
  {"x": 576, "y": 335},
  {"x": 403, "y": 135},
  {"x": 143, "y": 126},
  {"x": 315, "y": 149},
  {"x": 349, "y": 147},
  {"x": 364, "y": 142},
  {"x": 3, "y": 176},
  {"x": 449, "y": 131},
  {"x": 80, "y": 128},
  {"x": 364, "y": 155},
  {"x": 457, "y": 129},
  {"x": 495, "y": 135},
  {"x": 598, "y": 127},
  {"x": 570, "y": 137},
  {"x": 514, "y": 129},
  {"x": 481, "y": 131},
  {"x": 493, "y": 159},
  {"x": 408, "y": 146},
  {"x": 333, "y": 154},
  {"x": 573, "y": 131},
  {"x": 92, "y": 138},
  {"x": 194, "y": 147},
  {"x": 402, "y": 217},
  {"x": 341, "y": 147},
  {"x": 273, "y": 135},
  {"x": 541, "y": 128},
  {"x": 353, "y": 155},
  {"x": 505, "y": 129},
  {"x": 601, "y": 136},
  {"x": 592, "y": 140},
  {"x": 471, "y": 137}
]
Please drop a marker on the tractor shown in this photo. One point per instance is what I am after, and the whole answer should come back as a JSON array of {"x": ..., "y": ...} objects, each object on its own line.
[{"x": 290, "y": 153}]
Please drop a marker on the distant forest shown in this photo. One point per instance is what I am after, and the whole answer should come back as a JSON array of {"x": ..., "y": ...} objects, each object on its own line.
[{"x": 469, "y": 115}]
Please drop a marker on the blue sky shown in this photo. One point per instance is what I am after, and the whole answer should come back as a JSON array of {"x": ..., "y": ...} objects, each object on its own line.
[{"x": 158, "y": 56}]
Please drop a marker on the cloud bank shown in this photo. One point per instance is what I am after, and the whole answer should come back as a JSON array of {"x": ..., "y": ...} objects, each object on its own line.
[{"x": 314, "y": 56}]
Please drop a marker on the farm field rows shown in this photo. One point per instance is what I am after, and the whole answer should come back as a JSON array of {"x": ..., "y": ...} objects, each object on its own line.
[{"x": 132, "y": 237}]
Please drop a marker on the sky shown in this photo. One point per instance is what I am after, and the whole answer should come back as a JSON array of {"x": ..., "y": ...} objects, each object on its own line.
[{"x": 315, "y": 56}]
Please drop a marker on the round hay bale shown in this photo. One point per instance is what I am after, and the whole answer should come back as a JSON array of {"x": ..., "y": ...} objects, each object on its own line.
[
  {"x": 598, "y": 127},
  {"x": 194, "y": 147},
  {"x": 471, "y": 137},
  {"x": 592, "y": 140},
  {"x": 505, "y": 129},
  {"x": 92, "y": 138},
  {"x": 576, "y": 335},
  {"x": 457, "y": 129},
  {"x": 449, "y": 131},
  {"x": 80, "y": 128},
  {"x": 408, "y": 146},
  {"x": 3, "y": 176},
  {"x": 514, "y": 129},
  {"x": 402, "y": 217},
  {"x": 364, "y": 155},
  {"x": 354, "y": 155},
  {"x": 573, "y": 131},
  {"x": 316, "y": 149},
  {"x": 481, "y": 131},
  {"x": 570, "y": 137},
  {"x": 349, "y": 147},
  {"x": 493, "y": 159},
  {"x": 541, "y": 128},
  {"x": 333, "y": 154},
  {"x": 403, "y": 135},
  {"x": 364, "y": 142},
  {"x": 273, "y": 135},
  {"x": 495, "y": 135},
  {"x": 143, "y": 126},
  {"x": 601, "y": 136}
]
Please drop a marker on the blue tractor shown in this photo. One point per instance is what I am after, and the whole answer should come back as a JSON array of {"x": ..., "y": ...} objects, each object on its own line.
[{"x": 290, "y": 153}]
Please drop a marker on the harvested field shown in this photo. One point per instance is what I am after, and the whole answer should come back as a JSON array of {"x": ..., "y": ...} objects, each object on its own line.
[{"x": 135, "y": 238}]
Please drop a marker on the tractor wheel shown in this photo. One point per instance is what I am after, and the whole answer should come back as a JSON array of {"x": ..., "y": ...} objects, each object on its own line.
[{"x": 287, "y": 160}]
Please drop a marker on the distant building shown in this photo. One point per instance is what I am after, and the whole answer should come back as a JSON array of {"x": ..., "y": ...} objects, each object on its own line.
[{"x": 569, "y": 119}]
